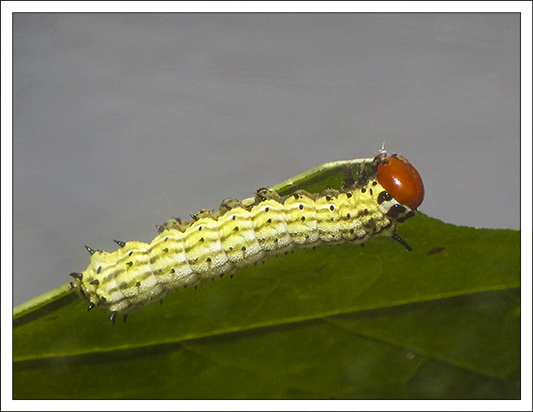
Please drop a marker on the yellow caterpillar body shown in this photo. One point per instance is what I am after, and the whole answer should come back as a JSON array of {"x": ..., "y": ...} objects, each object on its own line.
[{"x": 240, "y": 233}]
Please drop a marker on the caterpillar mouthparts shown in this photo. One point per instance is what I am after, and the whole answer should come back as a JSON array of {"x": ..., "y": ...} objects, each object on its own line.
[{"x": 215, "y": 244}]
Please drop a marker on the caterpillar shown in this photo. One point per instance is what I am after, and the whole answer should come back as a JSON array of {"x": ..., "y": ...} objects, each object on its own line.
[{"x": 216, "y": 244}]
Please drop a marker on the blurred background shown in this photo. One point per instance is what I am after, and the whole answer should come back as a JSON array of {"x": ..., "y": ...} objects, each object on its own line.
[{"x": 124, "y": 120}]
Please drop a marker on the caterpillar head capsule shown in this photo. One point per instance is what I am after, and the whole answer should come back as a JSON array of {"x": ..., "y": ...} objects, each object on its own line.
[{"x": 401, "y": 180}]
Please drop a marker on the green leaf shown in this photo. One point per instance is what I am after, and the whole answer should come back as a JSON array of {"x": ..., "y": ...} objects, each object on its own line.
[{"x": 342, "y": 321}]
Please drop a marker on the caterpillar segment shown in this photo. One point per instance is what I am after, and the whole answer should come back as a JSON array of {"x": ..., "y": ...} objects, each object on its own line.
[{"x": 240, "y": 233}]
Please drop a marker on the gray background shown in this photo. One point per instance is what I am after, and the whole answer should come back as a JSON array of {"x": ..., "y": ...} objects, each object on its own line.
[{"x": 122, "y": 121}]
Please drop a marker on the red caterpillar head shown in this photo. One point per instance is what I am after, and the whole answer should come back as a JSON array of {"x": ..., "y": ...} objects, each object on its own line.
[{"x": 401, "y": 180}]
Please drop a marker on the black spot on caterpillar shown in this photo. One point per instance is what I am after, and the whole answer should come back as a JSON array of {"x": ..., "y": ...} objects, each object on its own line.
[{"x": 243, "y": 232}]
